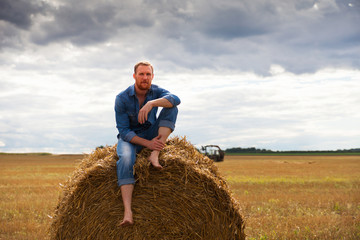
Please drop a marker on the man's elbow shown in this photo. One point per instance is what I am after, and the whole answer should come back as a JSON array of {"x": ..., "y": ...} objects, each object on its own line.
[{"x": 175, "y": 100}]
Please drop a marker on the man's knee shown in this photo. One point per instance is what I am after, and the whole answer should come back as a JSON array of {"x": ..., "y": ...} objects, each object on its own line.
[
  {"x": 125, "y": 160},
  {"x": 169, "y": 114},
  {"x": 171, "y": 111},
  {"x": 126, "y": 153},
  {"x": 167, "y": 117}
]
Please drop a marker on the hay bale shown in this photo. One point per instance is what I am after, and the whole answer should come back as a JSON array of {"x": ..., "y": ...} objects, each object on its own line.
[{"x": 188, "y": 199}]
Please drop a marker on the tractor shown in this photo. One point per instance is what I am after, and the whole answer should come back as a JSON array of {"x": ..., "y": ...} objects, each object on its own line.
[{"x": 213, "y": 152}]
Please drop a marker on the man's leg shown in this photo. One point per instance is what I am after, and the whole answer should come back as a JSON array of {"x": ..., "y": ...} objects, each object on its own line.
[
  {"x": 165, "y": 125},
  {"x": 126, "y": 194},
  {"x": 164, "y": 133},
  {"x": 124, "y": 169}
]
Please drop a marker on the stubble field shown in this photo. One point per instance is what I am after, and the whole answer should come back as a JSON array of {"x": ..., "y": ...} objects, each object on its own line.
[{"x": 282, "y": 197}]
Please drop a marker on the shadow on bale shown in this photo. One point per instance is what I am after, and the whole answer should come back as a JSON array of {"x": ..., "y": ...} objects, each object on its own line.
[{"x": 188, "y": 199}]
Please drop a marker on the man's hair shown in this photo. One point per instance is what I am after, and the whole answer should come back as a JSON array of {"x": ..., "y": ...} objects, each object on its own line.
[{"x": 143, "y": 64}]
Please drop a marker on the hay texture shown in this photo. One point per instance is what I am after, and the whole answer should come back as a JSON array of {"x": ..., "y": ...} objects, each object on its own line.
[{"x": 188, "y": 199}]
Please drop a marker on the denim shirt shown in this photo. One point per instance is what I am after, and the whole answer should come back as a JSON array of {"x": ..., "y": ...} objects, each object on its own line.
[{"x": 127, "y": 110}]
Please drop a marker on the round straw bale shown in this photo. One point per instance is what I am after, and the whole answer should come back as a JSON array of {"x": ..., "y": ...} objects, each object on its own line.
[{"x": 187, "y": 199}]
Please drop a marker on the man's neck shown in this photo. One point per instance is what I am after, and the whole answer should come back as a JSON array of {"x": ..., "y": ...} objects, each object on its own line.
[{"x": 140, "y": 93}]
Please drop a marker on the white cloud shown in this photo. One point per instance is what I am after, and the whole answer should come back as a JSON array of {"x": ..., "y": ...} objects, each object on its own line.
[
  {"x": 273, "y": 109},
  {"x": 284, "y": 77},
  {"x": 74, "y": 111}
]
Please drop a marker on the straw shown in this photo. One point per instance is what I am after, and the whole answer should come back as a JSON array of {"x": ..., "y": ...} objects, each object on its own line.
[{"x": 188, "y": 199}]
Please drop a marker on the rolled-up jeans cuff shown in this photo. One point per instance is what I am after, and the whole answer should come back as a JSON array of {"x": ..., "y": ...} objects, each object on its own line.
[
  {"x": 168, "y": 124},
  {"x": 126, "y": 181}
]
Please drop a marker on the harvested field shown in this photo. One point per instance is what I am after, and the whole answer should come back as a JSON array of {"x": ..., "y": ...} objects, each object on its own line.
[
  {"x": 297, "y": 197},
  {"x": 282, "y": 197}
]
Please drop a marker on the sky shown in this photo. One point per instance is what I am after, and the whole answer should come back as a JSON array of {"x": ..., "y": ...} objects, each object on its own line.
[{"x": 270, "y": 74}]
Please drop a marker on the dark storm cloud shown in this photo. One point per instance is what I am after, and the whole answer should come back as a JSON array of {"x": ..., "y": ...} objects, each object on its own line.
[
  {"x": 230, "y": 23},
  {"x": 88, "y": 22},
  {"x": 237, "y": 19},
  {"x": 304, "y": 4},
  {"x": 20, "y": 12},
  {"x": 302, "y": 36},
  {"x": 17, "y": 15}
]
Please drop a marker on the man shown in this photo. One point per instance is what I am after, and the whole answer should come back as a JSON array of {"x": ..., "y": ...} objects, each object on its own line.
[{"x": 135, "y": 112}]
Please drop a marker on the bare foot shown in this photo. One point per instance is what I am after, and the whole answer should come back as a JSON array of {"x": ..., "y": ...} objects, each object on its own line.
[
  {"x": 154, "y": 159},
  {"x": 128, "y": 220}
]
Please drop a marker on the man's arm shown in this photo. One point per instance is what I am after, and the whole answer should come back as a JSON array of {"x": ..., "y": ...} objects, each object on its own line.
[
  {"x": 153, "y": 144},
  {"x": 122, "y": 120},
  {"x": 161, "y": 102},
  {"x": 122, "y": 123},
  {"x": 144, "y": 111}
]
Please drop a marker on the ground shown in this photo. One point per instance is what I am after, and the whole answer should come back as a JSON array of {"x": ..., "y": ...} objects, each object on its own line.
[{"x": 282, "y": 197}]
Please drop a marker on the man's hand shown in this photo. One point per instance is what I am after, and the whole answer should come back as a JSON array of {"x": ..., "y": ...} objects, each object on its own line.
[
  {"x": 144, "y": 111},
  {"x": 156, "y": 144}
]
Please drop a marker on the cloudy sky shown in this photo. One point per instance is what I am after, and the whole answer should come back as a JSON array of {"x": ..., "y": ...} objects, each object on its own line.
[{"x": 280, "y": 75}]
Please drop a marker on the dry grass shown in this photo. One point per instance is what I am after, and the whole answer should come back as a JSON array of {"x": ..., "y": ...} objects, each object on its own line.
[
  {"x": 188, "y": 199},
  {"x": 297, "y": 197},
  {"x": 29, "y": 190},
  {"x": 282, "y": 197}
]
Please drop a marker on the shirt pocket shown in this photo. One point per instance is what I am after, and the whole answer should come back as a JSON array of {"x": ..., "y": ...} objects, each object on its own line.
[{"x": 133, "y": 119}]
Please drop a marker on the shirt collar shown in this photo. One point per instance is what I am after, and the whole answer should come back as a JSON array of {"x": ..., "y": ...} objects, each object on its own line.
[{"x": 132, "y": 90}]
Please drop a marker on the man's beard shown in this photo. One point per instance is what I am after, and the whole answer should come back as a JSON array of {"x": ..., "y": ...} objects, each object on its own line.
[{"x": 141, "y": 87}]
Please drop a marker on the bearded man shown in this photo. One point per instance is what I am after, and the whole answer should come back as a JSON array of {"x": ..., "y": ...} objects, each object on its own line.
[{"x": 139, "y": 127}]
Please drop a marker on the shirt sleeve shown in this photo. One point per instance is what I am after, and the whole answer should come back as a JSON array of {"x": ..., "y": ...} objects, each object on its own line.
[
  {"x": 172, "y": 98},
  {"x": 122, "y": 121}
]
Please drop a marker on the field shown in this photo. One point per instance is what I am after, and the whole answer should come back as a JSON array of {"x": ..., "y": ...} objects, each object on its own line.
[
  {"x": 297, "y": 197},
  {"x": 282, "y": 197}
]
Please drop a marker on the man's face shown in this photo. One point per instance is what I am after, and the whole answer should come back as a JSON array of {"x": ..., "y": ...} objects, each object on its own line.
[{"x": 143, "y": 77}]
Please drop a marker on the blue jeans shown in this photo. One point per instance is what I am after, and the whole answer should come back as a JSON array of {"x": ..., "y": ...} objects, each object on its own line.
[{"x": 127, "y": 151}]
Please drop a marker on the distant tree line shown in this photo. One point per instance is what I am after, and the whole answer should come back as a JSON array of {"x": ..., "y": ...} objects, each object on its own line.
[
  {"x": 247, "y": 150},
  {"x": 256, "y": 150}
]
